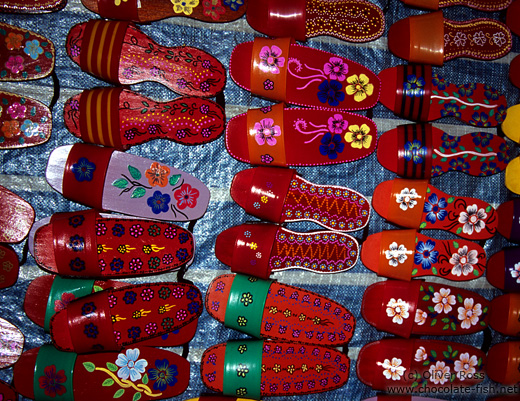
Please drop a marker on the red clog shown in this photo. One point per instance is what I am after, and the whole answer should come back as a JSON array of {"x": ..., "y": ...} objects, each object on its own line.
[
  {"x": 414, "y": 92},
  {"x": 284, "y": 71},
  {"x": 12, "y": 341},
  {"x": 120, "y": 118},
  {"x": 154, "y": 10},
  {"x": 25, "y": 54},
  {"x": 421, "y": 308},
  {"x": 503, "y": 269},
  {"x": 407, "y": 254},
  {"x": 504, "y": 314},
  {"x": 417, "y": 204},
  {"x": 514, "y": 70},
  {"x": 254, "y": 368},
  {"x": 9, "y": 266},
  {"x": 424, "y": 151},
  {"x": 432, "y": 39},
  {"x": 259, "y": 249},
  {"x": 16, "y": 217},
  {"x": 310, "y": 18},
  {"x": 118, "y": 317},
  {"x": 271, "y": 310},
  {"x": 417, "y": 364},
  {"x": 7, "y": 392},
  {"x": 119, "y": 53},
  {"x": 89, "y": 244},
  {"x": 47, "y": 295},
  {"x": 279, "y": 136},
  {"x": 106, "y": 179},
  {"x": 482, "y": 5},
  {"x": 512, "y": 21},
  {"x": 279, "y": 195},
  {"x": 509, "y": 220},
  {"x": 503, "y": 361},
  {"x": 143, "y": 373}
]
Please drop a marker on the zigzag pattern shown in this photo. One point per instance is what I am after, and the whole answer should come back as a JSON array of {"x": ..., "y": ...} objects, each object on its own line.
[{"x": 325, "y": 251}]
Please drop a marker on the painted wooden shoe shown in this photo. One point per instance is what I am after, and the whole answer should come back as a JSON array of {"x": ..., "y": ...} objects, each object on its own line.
[
  {"x": 510, "y": 124},
  {"x": 481, "y": 5},
  {"x": 512, "y": 177},
  {"x": 260, "y": 249},
  {"x": 106, "y": 179},
  {"x": 11, "y": 343},
  {"x": 502, "y": 362},
  {"x": 513, "y": 11},
  {"x": 424, "y": 151},
  {"x": 504, "y": 314},
  {"x": 17, "y": 217},
  {"x": 271, "y": 310},
  {"x": 503, "y": 269},
  {"x": 417, "y": 204},
  {"x": 119, "y": 53},
  {"x": 7, "y": 392},
  {"x": 509, "y": 220},
  {"x": 408, "y": 254}
]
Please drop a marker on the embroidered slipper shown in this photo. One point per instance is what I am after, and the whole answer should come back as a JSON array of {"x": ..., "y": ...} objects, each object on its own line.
[
  {"x": 424, "y": 151},
  {"x": 88, "y": 244},
  {"x": 279, "y": 195},
  {"x": 502, "y": 362},
  {"x": 25, "y": 54},
  {"x": 47, "y": 295},
  {"x": 143, "y": 373},
  {"x": 25, "y": 121},
  {"x": 120, "y": 118},
  {"x": 279, "y": 136},
  {"x": 415, "y": 93},
  {"x": 417, "y": 204},
  {"x": 7, "y": 392},
  {"x": 17, "y": 217},
  {"x": 119, "y": 53},
  {"x": 421, "y": 308},
  {"x": 106, "y": 179},
  {"x": 419, "y": 364},
  {"x": 349, "y": 20},
  {"x": 281, "y": 70},
  {"x": 407, "y": 254},
  {"x": 254, "y": 368},
  {"x": 9, "y": 266},
  {"x": 503, "y": 269},
  {"x": 432, "y": 39},
  {"x": 512, "y": 179},
  {"x": 509, "y": 220},
  {"x": 118, "y": 317},
  {"x": 482, "y": 5},
  {"x": 22, "y": 6},
  {"x": 513, "y": 11},
  {"x": 12, "y": 341},
  {"x": 149, "y": 11},
  {"x": 259, "y": 249},
  {"x": 268, "y": 309}
]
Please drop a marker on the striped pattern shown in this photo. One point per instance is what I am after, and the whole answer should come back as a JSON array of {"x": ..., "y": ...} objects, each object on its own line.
[
  {"x": 411, "y": 103},
  {"x": 414, "y": 163}
]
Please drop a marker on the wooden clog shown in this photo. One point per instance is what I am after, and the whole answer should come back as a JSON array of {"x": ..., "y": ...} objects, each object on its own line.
[
  {"x": 504, "y": 314},
  {"x": 11, "y": 343},
  {"x": 509, "y": 220},
  {"x": 279, "y": 136},
  {"x": 514, "y": 70},
  {"x": 512, "y": 17},
  {"x": 106, "y": 179},
  {"x": 284, "y": 71},
  {"x": 503, "y": 269},
  {"x": 17, "y": 217},
  {"x": 7, "y": 392},
  {"x": 119, "y": 53},
  {"x": 512, "y": 178},
  {"x": 510, "y": 125},
  {"x": 502, "y": 362}
]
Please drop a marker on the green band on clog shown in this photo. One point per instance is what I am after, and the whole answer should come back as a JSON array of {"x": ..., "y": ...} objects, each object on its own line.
[
  {"x": 60, "y": 286},
  {"x": 243, "y": 368},
  {"x": 246, "y": 303},
  {"x": 53, "y": 373}
]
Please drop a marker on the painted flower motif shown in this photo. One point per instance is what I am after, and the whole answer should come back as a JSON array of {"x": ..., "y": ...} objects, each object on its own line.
[
  {"x": 499, "y": 38},
  {"x": 331, "y": 145},
  {"x": 11, "y": 128},
  {"x": 159, "y": 202},
  {"x": 83, "y": 170},
  {"x": 414, "y": 150},
  {"x": 420, "y": 354},
  {"x": 393, "y": 369},
  {"x": 397, "y": 310},
  {"x": 515, "y": 272},
  {"x": 491, "y": 92},
  {"x": 469, "y": 314},
  {"x": 439, "y": 373},
  {"x": 460, "y": 39},
  {"x": 443, "y": 300},
  {"x": 66, "y": 298},
  {"x": 396, "y": 254},
  {"x": 337, "y": 124},
  {"x": 234, "y": 4},
  {"x": 459, "y": 164},
  {"x": 186, "y": 196},
  {"x": 30, "y": 128},
  {"x": 213, "y": 9},
  {"x": 439, "y": 82},
  {"x": 425, "y": 254},
  {"x": 479, "y": 38},
  {"x": 266, "y": 132},
  {"x": 16, "y": 110},
  {"x": 130, "y": 366},
  {"x": 420, "y": 317},
  {"x": 13, "y": 41},
  {"x": 472, "y": 219},
  {"x": 465, "y": 365},
  {"x": 360, "y": 87},
  {"x": 450, "y": 110},
  {"x": 435, "y": 208},
  {"x": 157, "y": 175},
  {"x": 407, "y": 198},
  {"x": 359, "y": 136},
  {"x": 184, "y": 6},
  {"x": 450, "y": 141},
  {"x": 331, "y": 92},
  {"x": 414, "y": 86},
  {"x": 271, "y": 59},
  {"x": 51, "y": 381},
  {"x": 33, "y": 49},
  {"x": 336, "y": 68},
  {"x": 489, "y": 169},
  {"x": 163, "y": 374},
  {"x": 480, "y": 120},
  {"x": 467, "y": 89}
]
